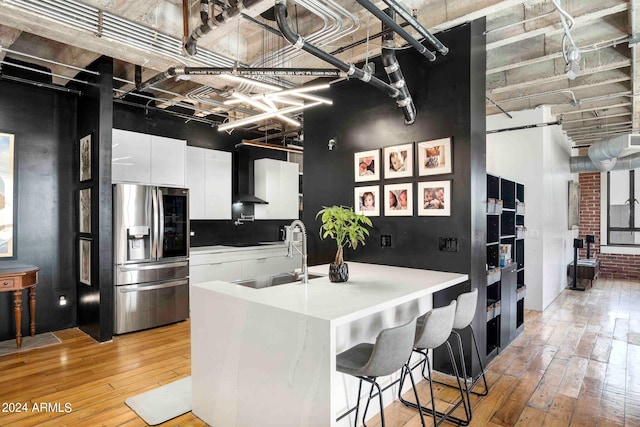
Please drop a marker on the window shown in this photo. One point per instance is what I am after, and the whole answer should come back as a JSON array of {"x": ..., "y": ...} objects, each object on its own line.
[{"x": 624, "y": 212}]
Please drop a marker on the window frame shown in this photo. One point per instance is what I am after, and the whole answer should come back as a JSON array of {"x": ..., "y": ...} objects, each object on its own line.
[{"x": 607, "y": 205}]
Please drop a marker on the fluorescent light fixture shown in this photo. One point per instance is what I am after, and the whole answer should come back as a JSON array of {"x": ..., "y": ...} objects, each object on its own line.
[
  {"x": 315, "y": 98},
  {"x": 259, "y": 105},
  {"x": 263, "y": 116},
  {"x": 286, "y": 101},
  {"x": 251, "y": 82},
  {"x": 298, "y": 90}
]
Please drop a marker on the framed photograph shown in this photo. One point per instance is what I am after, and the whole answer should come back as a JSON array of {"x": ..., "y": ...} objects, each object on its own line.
[
  {"x": 434, "y": 198},
  {"x": 398, "y": 161},
  {"x": 398, "y": 199},
  {"x": 574, "y": 205},
  {"x": 366, "y": 165},
  {"x": 85, "y": 210},
  {"x": 367, "y": 200},
  {"x": 84, "y": 261},
  {"x": 7, "y": 206},
  {"x": 434, "y": 157},
  {"x": 85, "y": 158}
]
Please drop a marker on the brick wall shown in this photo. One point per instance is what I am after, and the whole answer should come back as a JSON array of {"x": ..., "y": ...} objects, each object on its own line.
[{"x": 618, "y": 266}]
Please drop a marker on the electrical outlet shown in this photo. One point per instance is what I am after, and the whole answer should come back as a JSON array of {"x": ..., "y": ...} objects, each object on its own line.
[
  {"x": 385, "y": 240},
  {"x": 448, "y": 244}
]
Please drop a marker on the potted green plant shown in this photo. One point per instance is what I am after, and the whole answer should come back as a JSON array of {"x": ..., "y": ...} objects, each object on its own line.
[{"x": 347, "y": 228}]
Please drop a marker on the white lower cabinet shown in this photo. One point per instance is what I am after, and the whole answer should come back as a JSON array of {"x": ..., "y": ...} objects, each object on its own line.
[
  {"x": 241, "y": 264},
  {"x": 227, "y": 271}
]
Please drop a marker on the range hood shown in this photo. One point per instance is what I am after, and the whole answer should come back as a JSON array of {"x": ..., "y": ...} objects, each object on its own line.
[
  {"x": 248, "y": 198},
  {"x": 243, "y": 178}
]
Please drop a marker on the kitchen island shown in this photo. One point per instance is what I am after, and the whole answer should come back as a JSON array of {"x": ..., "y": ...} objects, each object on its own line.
[{"x": 266, "y": 357}]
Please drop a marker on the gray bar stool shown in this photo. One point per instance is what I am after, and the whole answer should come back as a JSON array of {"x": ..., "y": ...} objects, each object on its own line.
[
  {"x": 367, "y": 362},
  {"x": 465, "y": 313},
  {"x": 434, "y": 329}
]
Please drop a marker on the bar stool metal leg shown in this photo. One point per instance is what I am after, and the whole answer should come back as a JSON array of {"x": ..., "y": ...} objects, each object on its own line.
[{"x": 444, "y": 416}]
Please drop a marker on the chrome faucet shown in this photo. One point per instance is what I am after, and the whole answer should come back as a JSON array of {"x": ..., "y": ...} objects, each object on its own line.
[{"x": 298, "y": 223}]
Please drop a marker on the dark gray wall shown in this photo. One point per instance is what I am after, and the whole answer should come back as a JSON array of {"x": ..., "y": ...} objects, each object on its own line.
[
  {"x": 449, "y": 97},
  {"x": 44, "y": 124}
]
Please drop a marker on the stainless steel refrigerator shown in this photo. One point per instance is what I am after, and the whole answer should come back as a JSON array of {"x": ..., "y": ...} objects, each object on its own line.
[{"x": 151, "y": 256}]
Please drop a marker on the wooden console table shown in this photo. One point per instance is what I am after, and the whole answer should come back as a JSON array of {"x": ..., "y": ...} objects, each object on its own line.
[
  {"x": 588, "y": 272},
  {"x": 16, "y": 279}
]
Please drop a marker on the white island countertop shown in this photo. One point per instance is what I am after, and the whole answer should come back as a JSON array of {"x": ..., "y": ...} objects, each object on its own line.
[
  {"x": 371, "y": 288},
  {"x": 266, "y": 357}
]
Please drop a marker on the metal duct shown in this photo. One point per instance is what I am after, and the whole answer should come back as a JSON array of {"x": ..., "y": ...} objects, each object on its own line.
[
  {"x": 397, "y": 28},
  {"x": 392, "y": 68},
  {"x": 351, "y": 70},
  {"x": 209, "y": 24},
  {"x": 584, "y": 164},
  {"x": 417, "y": 26},
  {"x": 604, "y": 155}
]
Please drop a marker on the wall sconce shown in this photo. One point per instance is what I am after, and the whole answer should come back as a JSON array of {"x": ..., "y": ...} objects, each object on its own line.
[
  {"x": 331, "y": 144},
  {"x": 62, "y": 300}
]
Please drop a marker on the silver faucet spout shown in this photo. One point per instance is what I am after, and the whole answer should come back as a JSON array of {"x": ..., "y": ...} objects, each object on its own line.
[{"x": 294, "y": 224}]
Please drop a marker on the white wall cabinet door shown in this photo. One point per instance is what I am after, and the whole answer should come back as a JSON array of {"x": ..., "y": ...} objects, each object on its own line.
[
  {"x": 130, "y": 157},
  {"x": 217, "y": 184},
  {"x": 194, "y": 181},
  {"x": 167, "y": 161},
  {"x": 208, "y": 177},
  {"x": 276, "y": 182}
]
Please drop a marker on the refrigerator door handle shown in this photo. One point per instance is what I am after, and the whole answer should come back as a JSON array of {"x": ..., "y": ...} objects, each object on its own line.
[
  {"x": 155, "y": 266},
  {"x": 160, "y": 224},
  {"x": 139, "y": 288},
  {"x": 154, "y": 228}
]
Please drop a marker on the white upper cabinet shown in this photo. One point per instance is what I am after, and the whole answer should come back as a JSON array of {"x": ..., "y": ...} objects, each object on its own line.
[
  {"x": 167, "y": 161},
  {"x": 208, "y": 177},
  {"x": 130, "y": 157},
  {"x": 147, "y": 159},
  {"x": 276, "y": 182}
]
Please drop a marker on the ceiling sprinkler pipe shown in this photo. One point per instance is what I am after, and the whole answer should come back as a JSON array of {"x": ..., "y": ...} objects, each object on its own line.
[
  {"x": 417, "y": 26},
  {"x": 392, "y": 68},
  {"x": 397, "y": 28},
  {"x": 211, "y": 23},
  {"x": 350, "y": 69}
]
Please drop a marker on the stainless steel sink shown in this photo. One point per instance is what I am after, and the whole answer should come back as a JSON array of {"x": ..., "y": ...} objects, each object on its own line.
[{"x": 275, "y": 280}]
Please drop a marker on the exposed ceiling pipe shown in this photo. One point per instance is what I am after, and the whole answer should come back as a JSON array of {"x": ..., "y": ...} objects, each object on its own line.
[
  {"x": 417, "y": 26},
  {"x": 584, "y": 164},
  {"x": 604, "y": 154},
  {"x": 299, "y": 42},
  {"x": 392, "y": 68},
  {"x": 397, "y": 28},
  {"x": 216, "y": 71},
  {"x": 209, "y": 24}
]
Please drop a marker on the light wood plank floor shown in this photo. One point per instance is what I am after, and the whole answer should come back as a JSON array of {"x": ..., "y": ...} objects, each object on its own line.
[{"x": 575, "y": 364}]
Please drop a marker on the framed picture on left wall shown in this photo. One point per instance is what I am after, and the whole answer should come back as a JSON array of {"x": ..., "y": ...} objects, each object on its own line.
[
  {"x": 84, "y": 261},
  {"x": 85, "y": 210},
  {"x": 85, "y": 158},
  {"x": 7, "y": 205}
]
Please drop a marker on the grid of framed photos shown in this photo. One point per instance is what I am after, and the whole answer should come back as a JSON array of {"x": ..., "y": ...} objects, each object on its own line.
[{"x": 409, "y": 160}]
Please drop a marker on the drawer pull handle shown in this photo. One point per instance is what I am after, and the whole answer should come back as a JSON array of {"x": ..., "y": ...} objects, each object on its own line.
[{"x": 6, "y": 283}]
